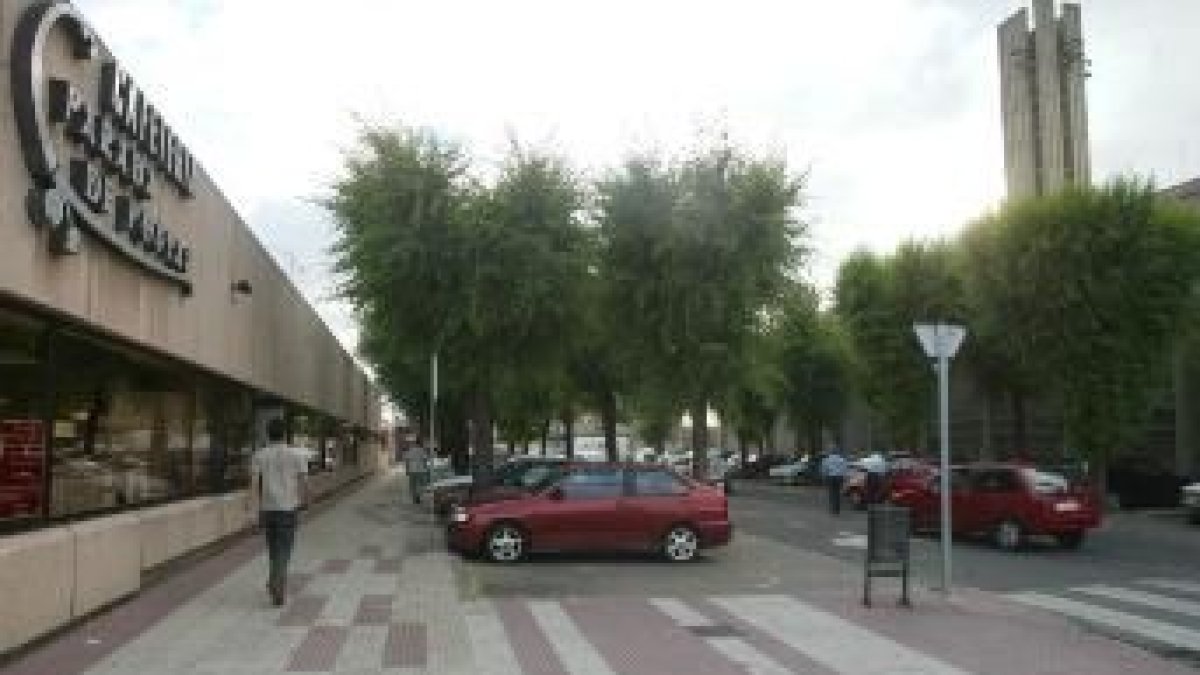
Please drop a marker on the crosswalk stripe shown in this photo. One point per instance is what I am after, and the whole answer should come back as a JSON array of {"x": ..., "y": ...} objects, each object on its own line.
[
  {"x": 578, "y": 655},
  {"x": 1142, "y": 598},
  {"x": 1172, "y": 585},
  {"x": 825, "y": 637},
  {"x": 745, "y": 655},
  {"x": 492, "y": 649},
  {"x": 680, "y": 612},
  {"x": 1157, "y": 631}
]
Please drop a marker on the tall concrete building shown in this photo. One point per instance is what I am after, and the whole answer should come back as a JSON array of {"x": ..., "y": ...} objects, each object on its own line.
[{"x": 1042, "y": 74}]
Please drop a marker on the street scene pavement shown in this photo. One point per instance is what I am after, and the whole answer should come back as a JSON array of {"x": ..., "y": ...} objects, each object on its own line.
[{"x": 373, "y": 590}]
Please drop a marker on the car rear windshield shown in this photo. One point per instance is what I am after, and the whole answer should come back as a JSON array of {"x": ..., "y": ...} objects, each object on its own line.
[{"x": 1046, "y": 482}]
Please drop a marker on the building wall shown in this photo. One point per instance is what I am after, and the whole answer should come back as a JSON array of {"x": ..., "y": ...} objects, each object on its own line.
[{"x": 271, "y": 339}]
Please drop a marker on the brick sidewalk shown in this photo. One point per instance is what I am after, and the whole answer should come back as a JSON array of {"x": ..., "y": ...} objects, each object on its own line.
[{"x": 373, "y": 591}]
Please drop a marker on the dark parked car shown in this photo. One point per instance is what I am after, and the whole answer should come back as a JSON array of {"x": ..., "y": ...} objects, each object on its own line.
[
  {"x": 1008, "y": 502},
  {"x": 597, "y": 507},
  {"x": 1140, "y": 482},
  {"x": 760, "y": 467},
  {"x": 514, "y": 476}
]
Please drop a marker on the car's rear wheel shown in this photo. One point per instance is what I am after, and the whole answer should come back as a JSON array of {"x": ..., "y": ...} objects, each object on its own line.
[
  {"x": 1071, "y": 540},
  {"x": 1009, "y": 535},
  {"x": 681, "y": 544},
  {"x": 505, "y": 543}
]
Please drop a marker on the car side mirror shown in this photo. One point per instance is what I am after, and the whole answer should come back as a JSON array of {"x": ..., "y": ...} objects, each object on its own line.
[{"x": 554, "y": 493}]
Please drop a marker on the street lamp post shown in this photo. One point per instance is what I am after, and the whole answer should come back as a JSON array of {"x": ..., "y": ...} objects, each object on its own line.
[
  {"x": 941, "y": 342},
  {"x": 433, "y": 394}
]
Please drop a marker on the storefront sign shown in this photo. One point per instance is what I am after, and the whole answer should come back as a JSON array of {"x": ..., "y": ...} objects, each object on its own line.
[
  {"x": 22, "y": 467},
  {"x": 101, "y": 156}
]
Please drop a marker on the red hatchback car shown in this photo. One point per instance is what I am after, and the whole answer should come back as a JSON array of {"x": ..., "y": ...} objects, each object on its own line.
[
  {"x": 1009, "y": 502},
  {"x": 598, "y": 507}
]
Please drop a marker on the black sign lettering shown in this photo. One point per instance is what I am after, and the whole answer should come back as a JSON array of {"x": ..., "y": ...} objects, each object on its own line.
[{"x": 103, "y": 178}]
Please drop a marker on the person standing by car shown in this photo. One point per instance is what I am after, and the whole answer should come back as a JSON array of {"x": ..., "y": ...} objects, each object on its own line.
[
  {"x": 416, "y": 465},
  {"x": 876, "y": 467},
  {"x": 833, "y": 470},
  {"x": 278, "y": 484}
]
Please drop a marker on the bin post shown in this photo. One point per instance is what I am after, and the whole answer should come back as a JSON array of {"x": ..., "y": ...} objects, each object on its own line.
[{"x": 887, "y": 548}]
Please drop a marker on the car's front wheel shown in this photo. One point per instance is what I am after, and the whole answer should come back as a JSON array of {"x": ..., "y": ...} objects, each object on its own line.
[
  {"x": 1009, "y": 535},
  {"x": 681, "y": 544},
  {"x": 505, "y": 543}
]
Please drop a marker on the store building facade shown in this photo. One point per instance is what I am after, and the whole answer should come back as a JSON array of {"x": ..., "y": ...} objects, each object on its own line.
[{"x": 145, "y": 337}]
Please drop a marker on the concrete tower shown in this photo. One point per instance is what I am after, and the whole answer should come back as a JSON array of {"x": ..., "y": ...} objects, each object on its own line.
[{"x": 1042, "y": 74}]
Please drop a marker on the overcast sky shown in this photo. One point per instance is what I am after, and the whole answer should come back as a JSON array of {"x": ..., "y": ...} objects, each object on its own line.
[{"x": 893, "y": 104}]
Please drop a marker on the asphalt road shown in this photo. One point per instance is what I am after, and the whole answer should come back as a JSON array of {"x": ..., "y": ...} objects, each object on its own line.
[
  {"x": 1128, "y": 545},
  {"x": 1137, "y": 578}
]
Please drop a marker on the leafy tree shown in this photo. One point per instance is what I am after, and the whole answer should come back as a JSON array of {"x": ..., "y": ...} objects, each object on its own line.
[
  {"x": 878, "y": 301},
  {"x": 696, "y": 251},
  {"x": 815, "y": 366},
  {"x": 1101, "y": 283},
  {"x": 435, "y": 261}
]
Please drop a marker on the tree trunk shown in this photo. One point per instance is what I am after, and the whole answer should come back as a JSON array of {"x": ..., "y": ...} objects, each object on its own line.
[
  {"x": 568, "y": 420},
  {"x": 481, "y": 438},
  {"x": 700, "y": 440},
  {"x": 608, "y": 414},
  {"x": 745, "y": 451},
  {"x": 1020, "y": 426},
  {"x": 545, "y": 437},
  {"x": 525, "y": 447}
]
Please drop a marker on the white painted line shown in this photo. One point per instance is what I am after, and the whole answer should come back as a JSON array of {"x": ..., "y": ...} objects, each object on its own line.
[
  {"x": 831, "y": 640},
  {"x": 851, "y": 541},
  {"x": 490, "y": 644},
  {"x": 743, "y": 654},
  {"x": 1141, "y": 598},
  {"x": 1172, "y": 585},
  {"x": 681, "y": 613},
  {"x": 1158, "y": 631},
  {"x": 578, "y": 655}
]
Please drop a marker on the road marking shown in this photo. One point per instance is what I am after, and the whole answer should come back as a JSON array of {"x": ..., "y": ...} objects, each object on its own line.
[
  {"x": 851, "y": 540},
  {"x": 578, "y": 655},
  {"x": 1172, "y": 585},
  {"x": 1141, "y": 598},
  {"x": 680, "y": 612},
  {"x": 829, "y": 639},
  {"x": 745, "y": 655},
  {"x": 1157, "y": 631},
  {"x": 489, "y": 642}
]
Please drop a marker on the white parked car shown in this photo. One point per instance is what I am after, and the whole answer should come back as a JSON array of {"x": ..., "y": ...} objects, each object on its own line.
[
  {"x": 792, "y": 472},
  {"x": 1190, "y": 498}
]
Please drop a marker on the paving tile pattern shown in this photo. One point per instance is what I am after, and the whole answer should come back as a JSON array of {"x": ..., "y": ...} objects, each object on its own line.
[{"x": 373, "y": 591}]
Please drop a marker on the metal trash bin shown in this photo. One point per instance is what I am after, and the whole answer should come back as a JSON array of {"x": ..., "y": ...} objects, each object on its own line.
[{"x": 888, "y": 531}]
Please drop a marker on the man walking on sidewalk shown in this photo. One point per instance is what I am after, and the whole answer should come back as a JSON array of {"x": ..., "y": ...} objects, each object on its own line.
[
  {"x": 833, "y": 468},
  {"x": 279, "y": 485},
  {"x": 416, "y": 465}
]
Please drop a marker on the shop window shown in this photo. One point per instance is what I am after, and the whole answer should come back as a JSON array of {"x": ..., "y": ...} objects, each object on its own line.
[
  {"x": 222, "y": 436},
  {"x": 306, "y": 434},
  {"x": 121, "y": 429},
  {"x": 22, "y": 418}
]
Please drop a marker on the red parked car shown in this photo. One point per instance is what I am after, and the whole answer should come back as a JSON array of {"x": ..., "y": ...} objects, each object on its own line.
[
  {"x": 1008, "y": 502},
  {"x": 598, "y": 507}
]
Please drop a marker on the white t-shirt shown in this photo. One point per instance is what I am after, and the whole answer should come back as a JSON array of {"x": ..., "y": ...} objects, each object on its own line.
[{"x": 281, "y": 468}]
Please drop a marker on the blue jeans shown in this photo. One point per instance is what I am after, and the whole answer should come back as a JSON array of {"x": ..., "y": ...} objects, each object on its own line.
[{"x": 279, "y": 527}]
